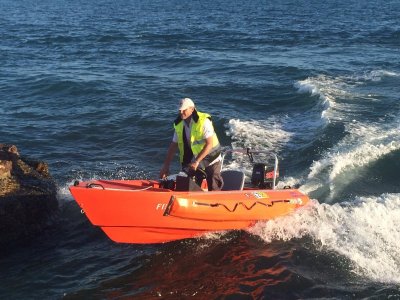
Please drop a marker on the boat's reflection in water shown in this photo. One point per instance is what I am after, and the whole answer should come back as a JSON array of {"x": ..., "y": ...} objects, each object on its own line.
[{"x": 234, "y": 265}]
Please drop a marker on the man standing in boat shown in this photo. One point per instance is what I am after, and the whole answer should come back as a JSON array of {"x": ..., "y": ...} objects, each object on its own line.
[{"x": 198, "y": 144}]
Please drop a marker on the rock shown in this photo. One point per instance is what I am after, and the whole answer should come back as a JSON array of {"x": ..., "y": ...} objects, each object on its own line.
[
  {"x": 5, "y": 169},
  {"x": 28, "y": 198}
]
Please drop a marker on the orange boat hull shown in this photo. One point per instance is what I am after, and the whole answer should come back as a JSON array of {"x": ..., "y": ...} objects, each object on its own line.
[{"x": 139, "y": 211}]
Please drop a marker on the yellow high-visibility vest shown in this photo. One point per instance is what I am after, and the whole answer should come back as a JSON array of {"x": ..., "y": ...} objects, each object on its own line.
[{"x": 197, "y": 141}]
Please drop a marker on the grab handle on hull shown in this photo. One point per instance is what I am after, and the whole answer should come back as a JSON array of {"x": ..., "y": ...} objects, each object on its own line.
[
  {"x": 169, "y": 206},
  {"x": 95, "y": 185}
]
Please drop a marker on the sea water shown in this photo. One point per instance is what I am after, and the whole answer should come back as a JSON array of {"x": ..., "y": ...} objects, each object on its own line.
[{"x": 92, "y": 87}]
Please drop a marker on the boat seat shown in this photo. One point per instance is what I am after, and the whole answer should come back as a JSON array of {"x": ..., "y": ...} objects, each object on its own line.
[{"x": 233, "y": 180}]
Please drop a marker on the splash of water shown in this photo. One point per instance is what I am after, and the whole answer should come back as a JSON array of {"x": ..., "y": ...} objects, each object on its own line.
[
  {"x": 365, "y": 231},
  {"x": 364, "y": 144},
  {"x": 267, "y": 134}
]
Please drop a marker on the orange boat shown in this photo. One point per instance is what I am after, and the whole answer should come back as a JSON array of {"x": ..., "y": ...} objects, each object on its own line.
[{"x": 149, "y": 211}]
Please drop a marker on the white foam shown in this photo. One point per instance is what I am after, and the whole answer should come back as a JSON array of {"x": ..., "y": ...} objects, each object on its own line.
[
  {"x": 253, "y": 133},
  {"x": 366, "y": 232},
  {"x": 298, "y": 129},
  {"x": 63, "y": 193},
  {"x": 288, "y": 181},
  {"x": 376, "y": 75},
  {"x": 327, "y": 89},
  {"x": 216, "y": 236},
  {"x": 333, "y": 90},
  {"x": 275, "y": 132},
  {"x": 364, "y": 144}
]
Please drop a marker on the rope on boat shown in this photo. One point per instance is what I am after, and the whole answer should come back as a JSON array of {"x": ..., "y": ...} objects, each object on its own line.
[
  {"x": 243, "y": 204},
  {"x": 97, "y": 185},
  {"x": 135, "y": 190}
]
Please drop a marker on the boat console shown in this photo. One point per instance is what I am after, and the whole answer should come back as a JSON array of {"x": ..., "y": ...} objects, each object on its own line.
[{"x": 264, "y": 174}]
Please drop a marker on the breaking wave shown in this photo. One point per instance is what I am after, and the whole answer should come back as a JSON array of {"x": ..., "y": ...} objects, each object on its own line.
[
  {"x": 339, "y": 95},
  {"x": 364, "y": 231},
  {"x": 362, "y": 142},
  {"x": 363, "y": 145}
]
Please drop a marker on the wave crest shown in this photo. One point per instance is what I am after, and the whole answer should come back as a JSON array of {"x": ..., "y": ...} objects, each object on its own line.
[{"x": 365, "y": 231}]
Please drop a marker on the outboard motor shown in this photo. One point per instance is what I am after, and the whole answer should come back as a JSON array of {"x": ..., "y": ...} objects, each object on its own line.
[{"x": 263, "y": 177}]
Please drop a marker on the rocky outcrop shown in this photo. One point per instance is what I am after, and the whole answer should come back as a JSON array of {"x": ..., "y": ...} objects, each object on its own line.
[{"x": 28, "y": 202}]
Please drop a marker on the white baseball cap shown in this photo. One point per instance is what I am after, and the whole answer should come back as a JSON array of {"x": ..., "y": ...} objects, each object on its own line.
[{"x": 185, "y": 103}]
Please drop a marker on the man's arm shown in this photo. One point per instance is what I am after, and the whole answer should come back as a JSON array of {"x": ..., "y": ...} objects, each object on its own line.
[
  {"x": 203, "y": 153},
  {"x": 170, "y": 155}
]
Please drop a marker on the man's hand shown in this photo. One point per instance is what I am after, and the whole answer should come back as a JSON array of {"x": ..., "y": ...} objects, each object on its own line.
[
  {"x": 203, "y": 153},
  {"x": 194, "y": 165},
  {"x": 164, "y": 172}
]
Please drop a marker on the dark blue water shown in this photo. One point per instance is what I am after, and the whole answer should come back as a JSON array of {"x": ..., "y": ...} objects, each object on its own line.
[{"x": 92, "y": 88}]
